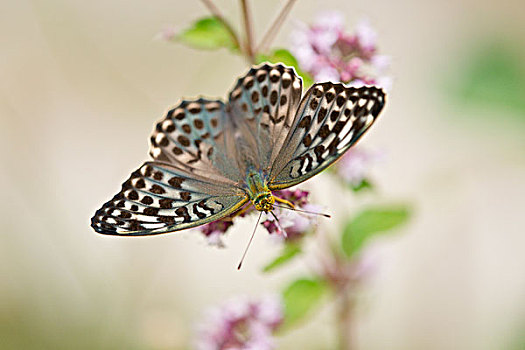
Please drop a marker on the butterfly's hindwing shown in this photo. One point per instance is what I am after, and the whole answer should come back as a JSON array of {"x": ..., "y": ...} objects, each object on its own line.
[
  {"x": 330, "y": 119},
  {"x": 263, "y": 103},
  {"x": 160, "y": 198}
]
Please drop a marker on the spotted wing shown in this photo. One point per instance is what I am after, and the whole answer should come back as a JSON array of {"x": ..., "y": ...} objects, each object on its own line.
[
  {"x": 330, "y": 119},
  {"x": 160, "y": 198},
  {"x": 262, "y": 104},
  {"x": 197, "y": 137}
]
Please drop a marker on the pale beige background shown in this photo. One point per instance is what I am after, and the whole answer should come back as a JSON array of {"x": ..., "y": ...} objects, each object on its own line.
[{"x": 81, "y": 83}]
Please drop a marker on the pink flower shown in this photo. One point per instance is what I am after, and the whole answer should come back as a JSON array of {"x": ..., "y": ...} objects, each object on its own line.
[
  {"x": 326, "y": 31},
  {"x": 327, "y": 73},
  {"x": 167, "y": 34},
  {"x": 297, "y": 197},
  {"x": 366, "y": 35},
  {"x": 295, "y": 224},
  {"x": 214, "y": 231},
  {"x": 354, "y": 166},
  {"x": 241, "y": 323},
  {"x": 328, "y": 53},
  {"x": 343, "y": 273}
]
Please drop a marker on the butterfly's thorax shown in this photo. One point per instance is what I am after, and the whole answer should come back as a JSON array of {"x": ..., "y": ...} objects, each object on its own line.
[{"x": 258, "y": 191}]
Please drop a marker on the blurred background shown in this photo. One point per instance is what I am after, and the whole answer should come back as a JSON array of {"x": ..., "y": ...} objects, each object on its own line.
[{"x": 81, "y": 84}]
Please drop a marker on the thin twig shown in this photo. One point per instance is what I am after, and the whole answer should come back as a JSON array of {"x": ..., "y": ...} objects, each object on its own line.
[
  {"x": 248, "y": 31},
  {"x": 217, "y": 14},
  {"x": 342, "y": 284},
  {"x": 344, "y": 320},
  {"x": 274, "y": 27}
]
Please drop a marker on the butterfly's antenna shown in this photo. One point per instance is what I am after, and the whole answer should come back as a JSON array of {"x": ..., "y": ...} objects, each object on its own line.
[
  {"x": 249, "y": 242},
  {"x": 302, "y": 211},
  {"x": 279, "y": 224}
]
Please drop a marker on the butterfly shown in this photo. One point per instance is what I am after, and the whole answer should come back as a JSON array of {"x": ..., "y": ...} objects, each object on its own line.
[{"x": 209, "y": 157}]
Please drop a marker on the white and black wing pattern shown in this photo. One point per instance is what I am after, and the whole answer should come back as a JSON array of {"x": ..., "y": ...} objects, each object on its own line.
[
  {"x": 330, "y": 119},
  {"x": 160, "y": 198}
]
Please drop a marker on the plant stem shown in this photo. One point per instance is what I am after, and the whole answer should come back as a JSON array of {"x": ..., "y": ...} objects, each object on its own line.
[
  {"x": 248, "y": 31},
  {"x": 340, "y": 277},
  {"x": 344, "y": 320},
  {"x": 217, "y": 14},
  {"x": 275, "y": 26}
]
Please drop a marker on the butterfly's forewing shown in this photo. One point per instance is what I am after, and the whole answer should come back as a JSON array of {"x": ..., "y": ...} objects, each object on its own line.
[
  {"x": 192, "y": 180},
  {"x": 330, "y": 119},
  {"x": 263, "y": 103},
  {"x": 160, "y": 198},
  {"x": 194, "y": 136}
]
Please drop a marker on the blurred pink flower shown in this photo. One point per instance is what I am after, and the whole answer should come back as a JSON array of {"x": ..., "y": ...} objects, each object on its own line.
[
  {"x": 294, "y": 223},
  {"x": 297, "y": 197},
  {"x": 326, "y": 52},
  {"x": 241, "y": 323},
  {"x": 168, "y": 33},
  {"x": 366, "y": 36},
  {"x": 214, "y": 231},
  {"x": 368, "y": 263},
  {"x": 344, "y": 273},
  {"x": 355, "y": 165}
]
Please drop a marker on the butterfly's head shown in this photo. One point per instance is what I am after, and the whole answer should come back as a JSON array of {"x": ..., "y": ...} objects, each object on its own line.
[{"x": 264, "y": 201}]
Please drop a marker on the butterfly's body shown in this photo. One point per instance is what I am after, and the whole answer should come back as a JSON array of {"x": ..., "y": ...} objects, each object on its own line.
[
  {"x": 258, "y": 191},
  {"x": 210, "y": 158}
]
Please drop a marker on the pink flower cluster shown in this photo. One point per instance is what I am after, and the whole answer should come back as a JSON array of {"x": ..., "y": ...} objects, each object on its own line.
[
  {"x": 295, "y": 224},
  {"x": 326, "y": 52},
  {"x": 241, "y": 323},
  {"x": 214, "y": 230},
  {"x": 355, "y": 165}
]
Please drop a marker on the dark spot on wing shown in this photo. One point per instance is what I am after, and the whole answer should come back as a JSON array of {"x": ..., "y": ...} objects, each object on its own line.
[
  {"x": 147, "y": 200},
  {"x": 165, "y": 203},
  {"x": 157, "y": 189},
  {"x": 176, "y": 181},
  {"x": 199, "y": 124},
  {"x": 305, "y": 122},
  {"x": 183, "y": 140},
  {"x": 133, "y": 195},
  {"x": 186, "y": 196},
  {"x": 307, "y": 141}
]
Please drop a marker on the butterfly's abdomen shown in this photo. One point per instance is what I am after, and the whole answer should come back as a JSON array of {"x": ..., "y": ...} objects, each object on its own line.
[{"x": 259, "y": 193}]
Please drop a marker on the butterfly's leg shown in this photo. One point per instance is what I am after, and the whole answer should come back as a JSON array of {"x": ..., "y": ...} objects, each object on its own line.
[{"x": 284, "y": 201}]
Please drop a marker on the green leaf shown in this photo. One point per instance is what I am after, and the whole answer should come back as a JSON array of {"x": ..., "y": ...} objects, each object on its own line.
[
  {"x": 301, "y": 297},
  {"x": 307, "y": 79},
  {"x": 369, "y": 223},
  {"x": 363, "y": 185},
  {"x": 209, "y": 34},
  {"x": 492, "y": 77},
  {"x": 288, "y": 253},
  {"x": 286, "y": 57}
]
